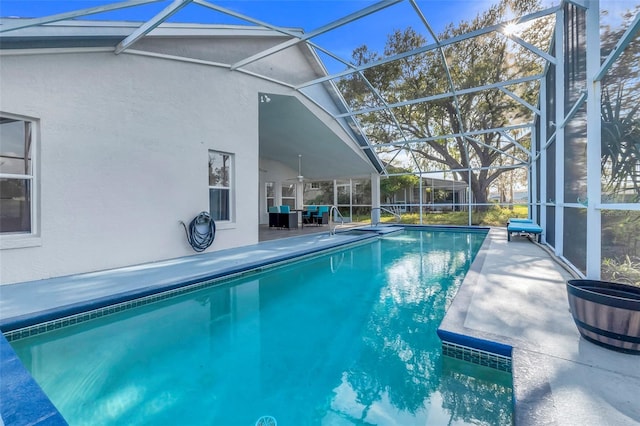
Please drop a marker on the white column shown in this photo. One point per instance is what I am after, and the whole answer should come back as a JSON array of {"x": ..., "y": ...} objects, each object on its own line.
[
  {"x": 300, "y": 195},
  {"x": 375, "y": 198},
  {"x": 532, "y": 173},
  {"x": 420, "y": 198},
  {"x": 594, "y": 233},
  {"x": 559, "y": 216},
  {"x": 543, "y": 158},
  {"x": 277, "y": 193},
  {"x": 350, "y": 200}
]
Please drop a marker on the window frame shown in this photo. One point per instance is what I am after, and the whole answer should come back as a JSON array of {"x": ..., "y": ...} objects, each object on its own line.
[
  {"x": 230, "y": 188},
  {"x": 289, "y": 198},
  {"x": 268, "y": 197},
  {"x": 10, "y": 240}
]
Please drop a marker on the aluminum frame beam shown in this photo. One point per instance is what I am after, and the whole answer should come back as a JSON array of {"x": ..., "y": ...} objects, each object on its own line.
[
  {"x": 335, "y": 24},
  {"x": 532, "y": 48},
  {"x": 447, "y": 70},
  {"x": 74, "y": 14},
  {"x": 520, "y": 100},
  {"x": 446, "y": 95},
  {"x": 285, "y": 31},
  {"x": 594, "y": 128},
  {"x": 620, "y": 46},
  {"x": 494, "y": 148},
  {"x": 473, "y": 169},
  {"x": 559, "y": 146},
  {"x": 426, "y": 48},
  {"x": 152, "y": 23},
  {"x": 516, "y": 143},
  {"x": 457, "y": 135}
]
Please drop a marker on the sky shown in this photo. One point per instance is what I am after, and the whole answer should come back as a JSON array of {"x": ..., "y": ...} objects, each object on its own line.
[{"x": 305, "y": 14}]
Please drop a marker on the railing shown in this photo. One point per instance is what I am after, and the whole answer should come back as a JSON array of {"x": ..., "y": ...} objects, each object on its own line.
[
  {"x": 331, "y": 220},
  {"x": 382, "y": 209}
]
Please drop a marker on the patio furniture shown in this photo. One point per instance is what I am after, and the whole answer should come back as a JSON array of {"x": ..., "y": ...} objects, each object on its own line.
[
  {"x": 322, "y": 216},
  {"x": 523, "y": 228},
  {"x": 307, "y": 215},
  {"x": 518, "y": 220},
  {"x": 283, "y": 217},
  {"x": 273, "y": 216}
]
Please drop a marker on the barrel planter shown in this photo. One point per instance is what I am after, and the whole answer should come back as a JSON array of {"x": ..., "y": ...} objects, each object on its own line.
[{"x": 606, "y": 313}]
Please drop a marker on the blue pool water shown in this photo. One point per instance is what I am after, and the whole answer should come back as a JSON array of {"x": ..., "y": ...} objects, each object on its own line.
[{"x": 348, "y": 337}]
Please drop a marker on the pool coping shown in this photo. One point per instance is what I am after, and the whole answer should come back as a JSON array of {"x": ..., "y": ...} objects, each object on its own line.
[
  {"x": 452, "y": 330},
  {"x": 162, "y": 283},
  {"x": 519, "y": 284},
  {"x": 31, "y": 405}
]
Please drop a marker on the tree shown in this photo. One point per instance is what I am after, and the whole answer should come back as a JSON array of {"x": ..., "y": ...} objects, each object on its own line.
[
  {"x": 473, "y": 62},
  {"x": 395, "y": 183},
  {"x": 620, "y": 112}
]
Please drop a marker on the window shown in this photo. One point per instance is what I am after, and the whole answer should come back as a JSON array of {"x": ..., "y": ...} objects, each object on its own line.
[
  {"x": 270, "y": 191},
  {"x": 220, "y": 184},
  {"x": 16, "y": 175},
  {"x": 289, "y": 195},
  {"x": 315, "y": 185}
]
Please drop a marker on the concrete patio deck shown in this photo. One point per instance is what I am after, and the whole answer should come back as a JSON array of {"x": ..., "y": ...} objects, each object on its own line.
[
  {"x": 265, "y": 233},
  {"x": 514, "y": 294}
]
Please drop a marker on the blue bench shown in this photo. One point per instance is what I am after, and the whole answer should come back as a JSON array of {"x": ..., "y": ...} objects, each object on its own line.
[
  {"x": 523, "y": 226},
  {"x": 518, "y": 220}
]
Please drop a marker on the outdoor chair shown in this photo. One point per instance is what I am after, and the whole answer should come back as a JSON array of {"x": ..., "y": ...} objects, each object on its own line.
[
  {"x": 307, "y": 216},
  {"x": 518, "y": 220},
  {"x": 322, "y": 216},
  {"x": 287, "y": 218},
  {"x": 520, "y": 227},
  {"x": 273, "y": 217}
]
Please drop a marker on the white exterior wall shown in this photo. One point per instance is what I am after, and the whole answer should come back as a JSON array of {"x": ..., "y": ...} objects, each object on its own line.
[{"x": 123, "y": 156}]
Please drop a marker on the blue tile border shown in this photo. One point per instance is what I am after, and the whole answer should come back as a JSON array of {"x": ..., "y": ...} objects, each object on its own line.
[
  {"x": 34, "y": 318},
  {"x": 475, "y": 343},
  {"x": 477, "y": 357},
  {"x": 44, "y": 327},
  {"x": 16, "y": 387},
  {"x": 477, "y": 351}
]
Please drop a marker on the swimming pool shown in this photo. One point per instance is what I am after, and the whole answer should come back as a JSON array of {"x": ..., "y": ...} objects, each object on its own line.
[{"x": 340, "y": 338}]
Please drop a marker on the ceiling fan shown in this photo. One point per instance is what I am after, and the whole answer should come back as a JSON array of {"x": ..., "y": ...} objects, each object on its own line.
[{"x": 300, "y": 177}]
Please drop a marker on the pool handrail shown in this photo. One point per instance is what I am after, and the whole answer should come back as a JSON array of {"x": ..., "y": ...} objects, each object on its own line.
[
  {"x": 332, "y": 231},
  {"x": 382, "y": 209}
]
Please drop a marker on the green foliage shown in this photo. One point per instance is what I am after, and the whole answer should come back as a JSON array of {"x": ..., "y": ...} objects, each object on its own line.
[
  {"x": 473, "y": 62},
  {"x": 621, "y": 119},
  {"x": 626, "y": 271},
  {"x": 494, "y": 216},
  {"x": 392, "y": 184},
  {"x": 621, "y": 246}
]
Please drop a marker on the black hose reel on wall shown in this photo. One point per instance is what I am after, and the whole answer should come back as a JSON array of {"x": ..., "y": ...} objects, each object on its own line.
[{"x": 201, "y": 231}]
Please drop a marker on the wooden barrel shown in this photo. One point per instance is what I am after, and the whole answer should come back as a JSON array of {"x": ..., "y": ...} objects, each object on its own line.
[{"x": 606, "y": 313}]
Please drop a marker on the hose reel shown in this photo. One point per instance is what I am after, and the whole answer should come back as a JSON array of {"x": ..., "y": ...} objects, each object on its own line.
[{"x": 201, "y": 231}]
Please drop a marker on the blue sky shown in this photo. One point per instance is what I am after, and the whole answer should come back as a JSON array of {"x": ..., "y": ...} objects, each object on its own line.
[{"x": 306, "y": 14}]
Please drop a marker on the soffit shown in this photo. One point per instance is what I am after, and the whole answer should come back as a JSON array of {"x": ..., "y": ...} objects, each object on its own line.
[{"x": 288, "y": 128}]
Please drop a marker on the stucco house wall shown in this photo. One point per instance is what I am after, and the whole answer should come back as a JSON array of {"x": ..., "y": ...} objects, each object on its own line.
[{"x": 122, "y": 157}]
